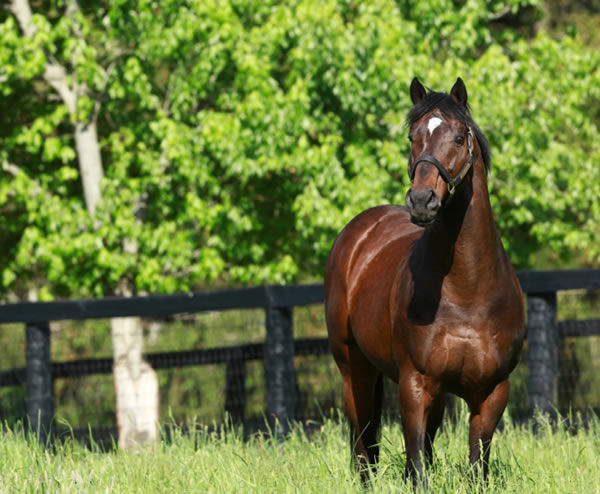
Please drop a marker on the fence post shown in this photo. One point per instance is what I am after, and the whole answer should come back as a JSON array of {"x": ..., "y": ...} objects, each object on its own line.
[
  {"x": 542, "y": 351},
  {"x": 38, "y": 371},
  {"x": 235, "y": 386},
  {"x": 279, "y": 369}
]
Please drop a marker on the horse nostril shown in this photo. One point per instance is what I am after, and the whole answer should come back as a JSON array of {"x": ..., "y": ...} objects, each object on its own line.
[
  {"x": 425, "y": 199},
  {"x": 433, "y": 204},
  {"x": 428, "y": 197}
]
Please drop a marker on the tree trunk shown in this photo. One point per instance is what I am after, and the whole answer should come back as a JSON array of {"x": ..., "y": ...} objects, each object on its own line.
[
  {"x": 90, "y": 163},
  {"x": 136, "y": 385}
]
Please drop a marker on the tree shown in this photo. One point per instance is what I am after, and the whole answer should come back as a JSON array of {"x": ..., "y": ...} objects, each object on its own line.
[{"x": 136, "y": 385}]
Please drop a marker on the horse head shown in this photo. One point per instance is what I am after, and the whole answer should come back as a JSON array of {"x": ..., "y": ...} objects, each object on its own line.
[{"x": 442, "y": 148}]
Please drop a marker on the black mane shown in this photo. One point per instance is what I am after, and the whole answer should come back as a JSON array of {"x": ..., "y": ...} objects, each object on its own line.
[{"x": 445, "y": 104}]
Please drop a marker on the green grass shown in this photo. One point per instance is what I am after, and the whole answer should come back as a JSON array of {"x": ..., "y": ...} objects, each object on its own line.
[{"x": 553, "y": 461}]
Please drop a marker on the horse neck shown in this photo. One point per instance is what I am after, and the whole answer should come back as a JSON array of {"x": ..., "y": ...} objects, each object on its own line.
[{"x": 465, "y": 245}]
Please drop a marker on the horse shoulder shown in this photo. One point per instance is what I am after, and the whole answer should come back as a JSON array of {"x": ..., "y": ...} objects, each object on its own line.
[{"x": 381, "y": 239}]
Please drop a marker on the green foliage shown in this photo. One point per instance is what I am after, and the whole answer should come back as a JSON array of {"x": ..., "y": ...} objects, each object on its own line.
[{"x": 239, "y": 137}]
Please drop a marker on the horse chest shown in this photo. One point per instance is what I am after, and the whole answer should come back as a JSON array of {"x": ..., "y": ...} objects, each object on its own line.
[{"x": 459, "y": 354}]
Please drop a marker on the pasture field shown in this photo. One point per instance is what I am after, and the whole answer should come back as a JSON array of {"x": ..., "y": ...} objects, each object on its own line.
[{"x": 551, "y": 461}]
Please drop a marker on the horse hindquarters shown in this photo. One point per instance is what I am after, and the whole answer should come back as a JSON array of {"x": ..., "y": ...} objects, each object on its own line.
[
  {"x": 363, "y": 398},
  {"x": 357, "y": 274},
  {"x": 362, "y": 388}
]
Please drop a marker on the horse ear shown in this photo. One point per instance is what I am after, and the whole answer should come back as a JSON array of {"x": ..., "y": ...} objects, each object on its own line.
[
  {"x": 417, "y": 91},
  {"x": 459, "y": 92}
]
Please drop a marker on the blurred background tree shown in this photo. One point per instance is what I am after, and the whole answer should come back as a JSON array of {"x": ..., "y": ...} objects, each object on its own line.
[{"x": 238, "y": 137}]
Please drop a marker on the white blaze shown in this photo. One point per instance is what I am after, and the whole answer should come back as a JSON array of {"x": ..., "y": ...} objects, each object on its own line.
[{"x": 433, "y": 124}]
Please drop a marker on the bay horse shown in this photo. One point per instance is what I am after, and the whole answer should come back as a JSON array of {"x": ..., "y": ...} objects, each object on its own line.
[{"x": 426, "y": 295}]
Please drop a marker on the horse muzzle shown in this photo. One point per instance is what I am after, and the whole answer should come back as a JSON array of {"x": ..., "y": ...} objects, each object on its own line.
[{"x": 423, "y": 205}]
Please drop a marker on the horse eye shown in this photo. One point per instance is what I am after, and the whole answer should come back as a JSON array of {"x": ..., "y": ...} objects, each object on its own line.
[
  {"x": 460, "y": 140},
  {"x": 410, "y": 138}
]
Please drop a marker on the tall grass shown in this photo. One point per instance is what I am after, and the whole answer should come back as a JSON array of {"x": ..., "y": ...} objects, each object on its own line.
[{"x": 551, "y": 461}]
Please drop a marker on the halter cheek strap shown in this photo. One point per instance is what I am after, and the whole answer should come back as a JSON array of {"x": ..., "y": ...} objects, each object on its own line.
[{"x": 452, "y": 182}]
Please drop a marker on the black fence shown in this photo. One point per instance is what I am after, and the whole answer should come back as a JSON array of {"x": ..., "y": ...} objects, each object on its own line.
[{"x": 285, "y": 360}]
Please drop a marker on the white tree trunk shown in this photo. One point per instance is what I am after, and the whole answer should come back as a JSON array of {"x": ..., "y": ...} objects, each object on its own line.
[
  {"x": 90, "y": 163},
  {"x": 136, "y": 384}
]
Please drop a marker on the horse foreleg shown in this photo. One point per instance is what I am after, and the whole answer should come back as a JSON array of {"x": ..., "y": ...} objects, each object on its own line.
[
  {"x": 363, "y": 396},
  {"x": 415, "y": 403},
  {"x": 483, "y": 422},
  {"x": 434, "y": 420}
]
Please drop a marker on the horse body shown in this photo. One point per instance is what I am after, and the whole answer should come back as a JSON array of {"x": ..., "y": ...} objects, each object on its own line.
[{"x": 436, "y": 307}]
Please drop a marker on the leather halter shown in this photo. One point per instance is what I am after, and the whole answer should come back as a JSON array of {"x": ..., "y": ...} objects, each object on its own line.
[{"x": 452, "y": 182}]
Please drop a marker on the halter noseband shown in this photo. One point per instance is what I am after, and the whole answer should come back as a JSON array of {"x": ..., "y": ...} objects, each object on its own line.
[{"x": 452, "y": 182}]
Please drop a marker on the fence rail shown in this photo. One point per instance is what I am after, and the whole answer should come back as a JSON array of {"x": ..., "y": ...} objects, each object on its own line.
[
  {"x": 279, "y": 348},
  {"x": 275, "y": 296}
]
